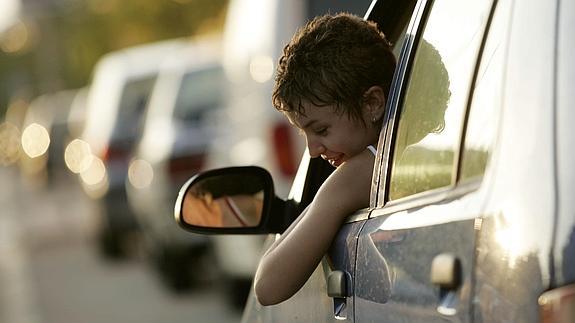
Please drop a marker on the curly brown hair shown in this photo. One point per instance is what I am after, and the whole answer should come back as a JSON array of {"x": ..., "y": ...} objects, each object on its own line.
[{"x": 333, "y": 60}]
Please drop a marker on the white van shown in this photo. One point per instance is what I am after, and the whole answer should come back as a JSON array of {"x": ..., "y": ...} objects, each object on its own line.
[
  {"x": 174, "y": 142},
  {"x": 122, "y": 82}
]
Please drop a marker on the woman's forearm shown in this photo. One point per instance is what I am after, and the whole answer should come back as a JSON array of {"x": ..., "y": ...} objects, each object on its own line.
[{"x": 291, "y": 259}]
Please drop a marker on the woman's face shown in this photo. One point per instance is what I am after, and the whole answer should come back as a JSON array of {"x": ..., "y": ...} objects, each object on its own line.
[{"x": 334, "y": 136}]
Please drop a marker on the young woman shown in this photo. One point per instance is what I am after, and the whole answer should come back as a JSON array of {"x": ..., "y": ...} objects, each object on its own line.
[{"x": 332, "y": 83}]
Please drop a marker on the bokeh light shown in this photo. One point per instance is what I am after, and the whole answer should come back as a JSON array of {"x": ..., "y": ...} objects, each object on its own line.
[
  {"x": 35, "y": 140},
  {"x": 17, "y": 39},
  {"x": 94, "y": 179},
  {"x": 78, "y": 156},
  {"x": 261, "y": 68},
  {"x": 140, "y": 174},
  {"x": 95, "y": 174}
]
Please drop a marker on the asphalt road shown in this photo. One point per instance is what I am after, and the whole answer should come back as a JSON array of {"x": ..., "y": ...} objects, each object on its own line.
[{"x": 50, "y": 270}]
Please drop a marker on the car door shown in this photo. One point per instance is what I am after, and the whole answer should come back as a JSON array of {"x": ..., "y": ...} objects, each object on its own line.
[
  {"x": 415, "y": 253},
  {"x": 311, "y": 303}
]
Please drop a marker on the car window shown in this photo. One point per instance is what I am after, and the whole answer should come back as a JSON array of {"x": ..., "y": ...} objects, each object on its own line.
[
  {"x": 130, "y": 111},
  {"x": 200, "y": 91},
  {"x": 431, "y": 117},
  {"x": 482, "y": 117}
]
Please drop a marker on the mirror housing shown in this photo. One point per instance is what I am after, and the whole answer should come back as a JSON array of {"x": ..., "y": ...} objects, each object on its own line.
[{"x": 232, "y": 200}]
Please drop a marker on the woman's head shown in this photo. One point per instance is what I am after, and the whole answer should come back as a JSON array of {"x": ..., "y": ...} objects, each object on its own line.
[
  {"x": 333, "y": 61},
  {"x": 334, "y": 136},
  {"x": 332, "y": 82}
]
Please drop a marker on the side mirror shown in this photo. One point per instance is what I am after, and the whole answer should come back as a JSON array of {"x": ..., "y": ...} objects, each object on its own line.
[{"x": 230, "y": 200}]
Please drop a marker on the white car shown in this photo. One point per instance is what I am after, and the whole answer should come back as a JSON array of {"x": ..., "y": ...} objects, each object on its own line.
[
  {"x": 190, "y": 86},
  {"x": 116, "y": 102}
]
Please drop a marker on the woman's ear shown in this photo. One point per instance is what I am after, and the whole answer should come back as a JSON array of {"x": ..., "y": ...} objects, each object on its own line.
[{"x": 374, "y": 103}]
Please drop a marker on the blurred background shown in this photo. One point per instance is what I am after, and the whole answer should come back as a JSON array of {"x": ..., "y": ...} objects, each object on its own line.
[{"x": 106, "y": 108}]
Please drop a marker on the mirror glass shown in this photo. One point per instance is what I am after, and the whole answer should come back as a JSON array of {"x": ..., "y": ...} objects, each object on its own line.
[{"x": 224, "y": 201}]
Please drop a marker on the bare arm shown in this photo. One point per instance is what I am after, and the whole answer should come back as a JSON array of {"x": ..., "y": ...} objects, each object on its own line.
[{"x": 291, "y": 260}]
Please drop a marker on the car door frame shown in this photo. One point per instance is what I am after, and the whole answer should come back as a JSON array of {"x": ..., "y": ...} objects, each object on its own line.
[{"x": 452, "y": 201}]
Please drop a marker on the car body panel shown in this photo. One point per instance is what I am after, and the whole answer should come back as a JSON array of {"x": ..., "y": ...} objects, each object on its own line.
[
  {"x": 513, "y": 253},
  {"x": 402, "y": 239},
  {"x": 311, "y": 303},
  {"x": 395, "y": 254}
]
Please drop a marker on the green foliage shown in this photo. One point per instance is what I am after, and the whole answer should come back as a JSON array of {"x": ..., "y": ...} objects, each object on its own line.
[{"x": 68, "y": 40}]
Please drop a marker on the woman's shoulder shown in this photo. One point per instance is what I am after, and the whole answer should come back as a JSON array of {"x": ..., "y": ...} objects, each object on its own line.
[
  {"x": 361, "y": 160},
  {"x": 355, "y": 168},
  {"x": 350, "y": 183}
]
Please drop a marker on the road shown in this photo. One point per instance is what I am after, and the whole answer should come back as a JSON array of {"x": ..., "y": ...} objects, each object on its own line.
[{"x": 50, "y": 270}]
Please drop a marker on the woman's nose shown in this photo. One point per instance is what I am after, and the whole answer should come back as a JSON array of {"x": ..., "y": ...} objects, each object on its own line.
[{"x": 315, "y": 148}]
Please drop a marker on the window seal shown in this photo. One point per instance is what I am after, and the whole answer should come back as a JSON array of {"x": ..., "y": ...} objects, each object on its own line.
[
  {"x": 456, "y": 172},
  {"x": 382, "y": 164},
  {"x": 426, "y": 198}
]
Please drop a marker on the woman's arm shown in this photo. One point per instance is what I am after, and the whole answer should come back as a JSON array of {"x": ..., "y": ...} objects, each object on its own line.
[{"x": 291, "y": 260}]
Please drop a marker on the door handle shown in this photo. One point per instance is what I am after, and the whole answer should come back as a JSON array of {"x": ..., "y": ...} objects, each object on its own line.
[
  {"x": 337, "y": 284},
  {"x": 446, "y": 271},
  {"x": 338, "y": 287}
]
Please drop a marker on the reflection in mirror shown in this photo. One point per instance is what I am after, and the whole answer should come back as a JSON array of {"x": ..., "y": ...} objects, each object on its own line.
[{"x": 225, "y": 201}]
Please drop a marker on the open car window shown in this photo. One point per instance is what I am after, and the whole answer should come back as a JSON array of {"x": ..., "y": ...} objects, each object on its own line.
[{"x": 427, "y": 137}]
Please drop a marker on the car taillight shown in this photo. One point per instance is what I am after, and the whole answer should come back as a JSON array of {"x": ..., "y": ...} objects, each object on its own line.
[
  {"x": 186, "y": 165},
  {"x": 284, "y": 149},
  {"x": 113, "y": 153},
  {"x": 558, "y": 305}
]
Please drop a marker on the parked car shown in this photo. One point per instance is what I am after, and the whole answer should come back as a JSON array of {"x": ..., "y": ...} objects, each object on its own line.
[
  {"x": 116, "y": 102},
  {"x": 251, "y": 131},
  {"x": 475, "y": 221},
  {"x": 190, "y": 86}
]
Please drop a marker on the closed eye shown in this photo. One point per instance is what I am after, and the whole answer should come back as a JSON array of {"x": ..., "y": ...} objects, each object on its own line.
[{"x": 321, "y": 131}]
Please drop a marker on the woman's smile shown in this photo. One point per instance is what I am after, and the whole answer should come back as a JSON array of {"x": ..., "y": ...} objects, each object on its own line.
[{"x": 334, "y": 160}]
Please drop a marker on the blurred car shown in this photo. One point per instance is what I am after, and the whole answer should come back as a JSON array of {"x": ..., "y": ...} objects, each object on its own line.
[
  {"x": 252, "y": 132},
  {"x": 473, "y": 222},
  {"x": 116, "y": 102},
  {"x": 47, "y": 129},
  {"x": 191, "y": 85}
]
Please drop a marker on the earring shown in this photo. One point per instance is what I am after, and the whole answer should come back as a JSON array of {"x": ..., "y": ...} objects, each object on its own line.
[{"x": 374, "y": 119}]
